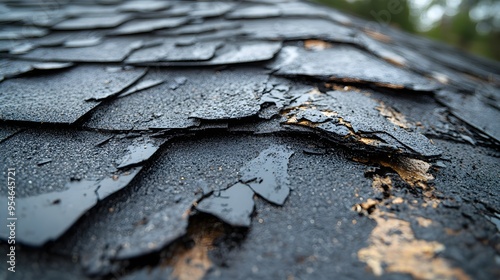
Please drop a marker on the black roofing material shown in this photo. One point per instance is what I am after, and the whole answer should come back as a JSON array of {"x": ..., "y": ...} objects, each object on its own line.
[
  {"x": 75, "y": 175},
  {"x": 201, "y": 53},
  {"x": 67, "y": 206},
  {"x": 92, "y": 22},
  {"x": 267, "y": 174},
  {"x": 347, "y": 115},
  {"x": 144, "y": 6},
  {"x": 205, "y": 94},
  {"x": 347, "y": 64},
  {"x": 20, "y": 32},
  {"x": 296, "y": 29},
  {"x": 262, "y": 135},
  {"x": 207, "y": 26},
  {"x": 147, "y": 25},
  {"x": 11, "y": 68},
  {"x": 139, "y": 152},
  {"x": 254, "y": 12},
  {"x": 62, "y": 97},
  {"x": 107, "y": 50},
  {"x": 7, "y": 131},
  {"x": 233, "y": 205},
  {"x": 142, "y": 85},
  {"x": 154, "y": 209},
  {"x": 466, "y": 107},
  {"x": 171, "y": 51}
]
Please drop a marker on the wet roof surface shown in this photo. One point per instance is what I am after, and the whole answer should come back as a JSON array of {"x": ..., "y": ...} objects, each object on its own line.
[{"x": 243, "y": 140}]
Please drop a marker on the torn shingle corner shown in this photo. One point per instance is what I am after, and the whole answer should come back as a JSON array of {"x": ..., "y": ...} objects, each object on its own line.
[
  {"x": 234, "y": 139},
  {"x": 233, "y": 205},
  {"x": 61, "y": 97},
  {"x": 267, "y": 174}
]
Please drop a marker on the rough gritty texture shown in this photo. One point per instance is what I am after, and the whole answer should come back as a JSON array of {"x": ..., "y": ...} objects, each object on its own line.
[
  {"x": 242, "y": 140},
  {"x": 62, "y": 97},
  {"x": 183, "y": 98}
]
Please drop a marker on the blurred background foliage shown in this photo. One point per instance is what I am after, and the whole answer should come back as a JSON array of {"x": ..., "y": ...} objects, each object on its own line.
[{"x": 472, "y": 25}]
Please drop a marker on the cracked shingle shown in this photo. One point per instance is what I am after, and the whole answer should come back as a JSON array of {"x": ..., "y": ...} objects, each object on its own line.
[
  {"x": 347, "y": 64},
  {"x": 168, "y": 107},
  {"x": 60, "y": 97}
]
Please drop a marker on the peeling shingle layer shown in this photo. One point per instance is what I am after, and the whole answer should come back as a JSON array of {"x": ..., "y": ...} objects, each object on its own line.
[{"x": 221, "y": 139}]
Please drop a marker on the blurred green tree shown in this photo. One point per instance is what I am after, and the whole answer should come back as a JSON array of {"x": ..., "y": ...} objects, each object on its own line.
[{"x": 472, "y": 25}]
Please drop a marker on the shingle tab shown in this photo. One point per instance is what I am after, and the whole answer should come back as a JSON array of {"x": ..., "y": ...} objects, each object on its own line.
[
  {"x": 199, "y": 94},
  {"x": 263, "y": 134},
  {"x": 61, "y": 97}
]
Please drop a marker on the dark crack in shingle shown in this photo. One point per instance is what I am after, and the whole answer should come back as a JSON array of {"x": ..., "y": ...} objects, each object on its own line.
[
  {"x": 204, "y": 94},
  {"x": 86, "y": 172},
  {"x": 267, "y": 174},
  {"x": 466, "y": 108},
  {"x": 11, "y": 68},
  {"x": 352, "y": 115},
  {"x": 121, "y": 208},
  {"x": 233, "y": 205},
  {"x": 60, "y": 97},
  {"x": 7, "y": 131},
  {"x": 226, "y": 53}
]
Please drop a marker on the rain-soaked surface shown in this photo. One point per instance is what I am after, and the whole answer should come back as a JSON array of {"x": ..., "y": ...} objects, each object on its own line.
[
  {"x": 243, "y": 140},
  {"x": 233, "y": 205},
  {"x": 267, "y": 174}
]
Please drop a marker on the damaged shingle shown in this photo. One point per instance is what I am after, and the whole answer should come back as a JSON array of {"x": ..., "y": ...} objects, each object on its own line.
[
  {"x": 346, "y": 114},
  {"x": 41, "y": 98},
  {"x": 106, "y": 50},
  {"x": 159, "y": 230},
  {"x": 235, "y": 88},
  {"x": 144, "y": 6},
  {"x": 347, "y": 64},
  {"x": 7, "y": 131},
  {"x": 171, "y": 51},
  {"x": 296, "y": 29},
  {"x": 467, "y": 106},
  {"x": 229, "y": 52},
  {"x": 167, "y": 107},
  {"x": 86, "y": 173},
  {"x": 267, "y": 174},
  {"x": 11, "y": 68},
  {"x": 147, "y": 25},
  {"x": 142, "y": 85},
  {"x": 138, "y": 153},
  {"x": 92, "y": 22},
  {"x": 233, "y": 205},
  {"x": 254, "y": 12},
  {"x": 66, "y": 205}
]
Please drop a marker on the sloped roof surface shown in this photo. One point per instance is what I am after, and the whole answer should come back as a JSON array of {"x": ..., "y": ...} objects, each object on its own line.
[{"x": 243, "y": 140}]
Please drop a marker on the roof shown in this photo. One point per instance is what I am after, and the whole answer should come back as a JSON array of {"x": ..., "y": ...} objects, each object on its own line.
[{"x": 239, "y": 140}]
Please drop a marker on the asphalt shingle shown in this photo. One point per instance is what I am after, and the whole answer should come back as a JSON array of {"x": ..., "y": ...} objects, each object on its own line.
[{"x": 240, "y": 140}]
